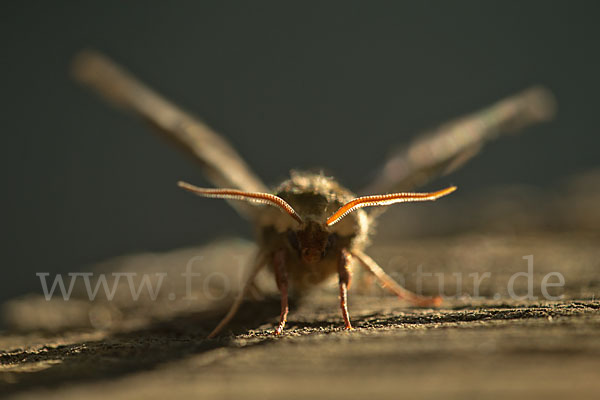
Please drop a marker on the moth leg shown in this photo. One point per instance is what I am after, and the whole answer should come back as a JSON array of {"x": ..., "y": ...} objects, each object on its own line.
[
  {"x": 255, "y": 292},
  {"x": 281, "y": 279},
  {"x": 389, "y": 283},
  {"x": 363, "y": 282},
  {"x": 259, "y": 263},
  {"x": 344, "y": 280}
]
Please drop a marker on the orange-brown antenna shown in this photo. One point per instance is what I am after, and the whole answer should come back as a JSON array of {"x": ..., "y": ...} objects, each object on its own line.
[
  {"x": 385, "y": 200},
  {"x": 234, "y": 194}
]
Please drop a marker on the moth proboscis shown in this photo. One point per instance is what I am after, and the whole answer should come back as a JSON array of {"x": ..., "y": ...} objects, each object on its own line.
[{"x": 311, "y": 228}]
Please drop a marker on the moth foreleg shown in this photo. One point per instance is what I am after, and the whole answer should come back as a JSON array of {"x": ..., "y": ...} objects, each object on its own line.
[
  {"x": 389, "y": 283},
  {"x": 281, "y": 278},
  {"x": 344, "y": 281},
  {"x": 259, "y": 263}
]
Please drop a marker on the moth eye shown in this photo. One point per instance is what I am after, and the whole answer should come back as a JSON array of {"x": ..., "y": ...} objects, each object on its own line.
[
  {"x": 293, "y": 239},
  {"x": 331, "y": 240}
]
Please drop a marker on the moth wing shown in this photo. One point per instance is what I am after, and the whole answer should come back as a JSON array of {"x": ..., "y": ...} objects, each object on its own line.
[
  {"x": 221, "y": 163},
  {"x": 451, "y": 145}
]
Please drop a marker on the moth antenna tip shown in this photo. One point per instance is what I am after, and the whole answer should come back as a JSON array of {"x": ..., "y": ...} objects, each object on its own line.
[
  {"x": 183, "y": 184},
  {"x": 445, "y": 192}
]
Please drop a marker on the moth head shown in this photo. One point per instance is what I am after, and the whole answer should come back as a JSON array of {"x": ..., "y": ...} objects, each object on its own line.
[
  {"x": 312, "y": 241},
  {"x": 310, "y": 238}
]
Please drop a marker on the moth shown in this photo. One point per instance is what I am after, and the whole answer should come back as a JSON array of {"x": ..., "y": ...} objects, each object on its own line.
[{"x": 311, "y": 228}]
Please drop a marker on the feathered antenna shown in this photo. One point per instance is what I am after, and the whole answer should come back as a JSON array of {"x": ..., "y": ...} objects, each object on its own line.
[
  {"x": 385, "y": 200},
  {"x": 234, "y": 194}
]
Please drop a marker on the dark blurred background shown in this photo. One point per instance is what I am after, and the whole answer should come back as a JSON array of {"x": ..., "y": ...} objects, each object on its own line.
[{"x": 330, "y": 84}]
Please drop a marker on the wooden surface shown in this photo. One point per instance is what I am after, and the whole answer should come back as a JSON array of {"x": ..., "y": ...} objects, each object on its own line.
[{"x": 490, "y": 346}]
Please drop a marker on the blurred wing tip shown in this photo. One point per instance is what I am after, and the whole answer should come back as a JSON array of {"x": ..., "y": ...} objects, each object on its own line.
[
  {"x": 542, "y": 102},
  {"x": 84, "y": 63}
]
